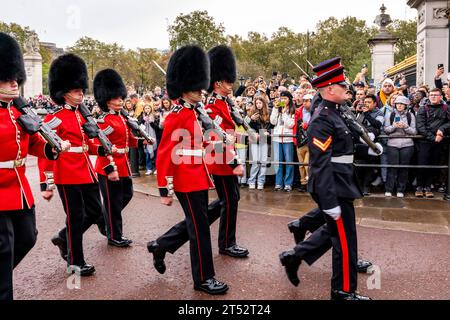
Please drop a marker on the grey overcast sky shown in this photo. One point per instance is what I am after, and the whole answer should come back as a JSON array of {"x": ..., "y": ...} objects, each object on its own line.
[{"x": 143, "y": 24}]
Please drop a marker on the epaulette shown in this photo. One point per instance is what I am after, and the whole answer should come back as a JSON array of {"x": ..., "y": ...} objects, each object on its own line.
[
  {"x": 323, "y": 111},
  {"x": 101, "y": 118},
  {"x": 176, "y": 108},
  {"x": 56, "y": 109}
]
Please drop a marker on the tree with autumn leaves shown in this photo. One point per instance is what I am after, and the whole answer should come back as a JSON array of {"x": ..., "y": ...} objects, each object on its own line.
[{"x": 257, "y": 54}]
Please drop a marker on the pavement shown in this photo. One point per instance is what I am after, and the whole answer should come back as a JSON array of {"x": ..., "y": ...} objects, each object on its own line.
[{"x": 408, "y": 241}]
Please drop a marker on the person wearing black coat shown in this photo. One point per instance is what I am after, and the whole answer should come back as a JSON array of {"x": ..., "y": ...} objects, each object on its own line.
[{"x": 433, "y": 122}]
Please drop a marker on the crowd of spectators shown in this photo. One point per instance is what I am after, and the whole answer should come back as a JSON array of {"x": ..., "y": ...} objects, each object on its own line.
[{"x": 410, "y": 122}]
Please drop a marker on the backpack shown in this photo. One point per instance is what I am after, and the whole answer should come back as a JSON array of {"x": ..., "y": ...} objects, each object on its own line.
[{"x": 408, "y": 117}]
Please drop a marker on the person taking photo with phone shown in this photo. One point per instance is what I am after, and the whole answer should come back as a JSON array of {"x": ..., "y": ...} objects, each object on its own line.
[{"x": 283, "y": 118}]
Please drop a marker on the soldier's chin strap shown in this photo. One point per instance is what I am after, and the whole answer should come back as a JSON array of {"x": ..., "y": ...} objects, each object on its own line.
[{"x": 9, "y": 94}]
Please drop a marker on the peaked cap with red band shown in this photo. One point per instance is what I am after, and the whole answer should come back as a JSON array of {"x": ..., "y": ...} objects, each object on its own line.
[{"x": 329, "y": 72}]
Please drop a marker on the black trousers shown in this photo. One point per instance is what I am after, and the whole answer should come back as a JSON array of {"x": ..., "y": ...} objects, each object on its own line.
[
  {"x": 398, "y": 178},
  {"x": 83, "y": 209},
  {"x": 194, "y": 228},
  {"x": 319, "y": 242},
  {"x": 227, "y": 188},
  {"x": 141, "y": 153},
  {"x": 116, "y": 196},
  {"x": 178, "y": 235},
  {"x": 343, "y": 237},
  {"x": 18, "y": 235},
  {"x": 134, "y": 161},
  {"x": 428, "y": 154}
]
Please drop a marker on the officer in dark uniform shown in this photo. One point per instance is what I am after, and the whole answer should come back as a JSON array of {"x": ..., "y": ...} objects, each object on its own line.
[
  {"x": 332, "y": 184},
  {"x": 182, "y": 169},
  {"x": 17, "y": 209},
  {"x": 314, "y": 219}
]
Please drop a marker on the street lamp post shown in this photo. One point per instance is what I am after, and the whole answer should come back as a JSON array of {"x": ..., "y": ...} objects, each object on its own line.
[
  {"x": 308, "y": 42},
  {"x": 307, "y": 50}
]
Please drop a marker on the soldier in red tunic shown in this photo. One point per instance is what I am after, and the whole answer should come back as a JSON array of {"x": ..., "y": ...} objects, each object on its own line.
[
  {"x": 17, "y": 210},
  {"x": 115, "y": 180},
  {"x": 182, "y": 169},
  {"x": 223, "y": 75},
  {"x": 73, "y": 172}
]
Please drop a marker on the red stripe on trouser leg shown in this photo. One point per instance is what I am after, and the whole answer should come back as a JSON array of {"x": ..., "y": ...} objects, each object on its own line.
[
  {"x": 68, "y": 226},
  {"x": 345, "y": 258},
  {"x": 196, "y": 236},
  {"x": 228, "y": 211},
  {"x": 111, "y": 233}
]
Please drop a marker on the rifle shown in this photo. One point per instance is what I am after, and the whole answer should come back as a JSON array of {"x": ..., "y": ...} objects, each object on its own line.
[
  {"x": 239, "y": 120},
  {"x": 92, "y": 129},
  {"x": 136, "y": 128},
  {"x": 32, "y": 124},
  {"x": 358, "y": 128},
  {"x": 307, "y": 75},
  {"x": 209, "y": 124},
  {"x": 159, "y": 67}
]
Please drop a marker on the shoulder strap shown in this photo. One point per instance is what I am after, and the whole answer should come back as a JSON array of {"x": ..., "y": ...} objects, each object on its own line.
[{"x": 408, "y": 117}]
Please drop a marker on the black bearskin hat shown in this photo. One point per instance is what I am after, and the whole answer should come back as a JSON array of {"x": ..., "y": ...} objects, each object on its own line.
[
  {"x": 11, "y": 60},
  {"x": 67, "y": 72},
  {"x": 108, "y": 85},
  {"x": 188, "y": 70},
  {"x": 223, "y": 65}
]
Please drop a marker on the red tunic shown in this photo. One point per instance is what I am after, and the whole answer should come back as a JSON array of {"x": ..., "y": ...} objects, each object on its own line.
[
  {"x": 219, "y": 111},
  {"x": 116, "y": 128},
  {"x": 182, "y": 138},
  {"x": 15, "y": 144},
  {"x": 71, "y": 167}
]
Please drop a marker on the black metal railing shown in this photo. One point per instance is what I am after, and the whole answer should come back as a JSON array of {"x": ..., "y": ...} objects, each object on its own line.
[{"x": 363, "y": 165}]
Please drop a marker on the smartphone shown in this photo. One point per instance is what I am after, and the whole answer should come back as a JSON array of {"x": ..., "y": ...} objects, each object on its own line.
[
  {"x": 281, "y": 104},
  {"x": 397, "y": 119},
  {"x": 440, "y": 65}
]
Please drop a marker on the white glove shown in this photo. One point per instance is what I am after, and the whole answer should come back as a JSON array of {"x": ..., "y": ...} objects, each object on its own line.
[
  {"x": 373, "y": 153},
  {"x": 371, "y": 136},
  {"x": 335, "y": 213}
]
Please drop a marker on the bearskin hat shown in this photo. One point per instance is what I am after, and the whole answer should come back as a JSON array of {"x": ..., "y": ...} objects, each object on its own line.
[
  {"x": 108, "y": 85},
  {"x": 11, "y": 60},
  {"x": 67, "y": 72},
  {"x": 223, "y": 65},
  {"x": 188, "y": 70}
]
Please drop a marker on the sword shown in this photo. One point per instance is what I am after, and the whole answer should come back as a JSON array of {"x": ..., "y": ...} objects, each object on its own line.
[
  {"x": 159, "y": 67},
  {"x": 309, "y": 78},
  {"x": 310, "y": 64}
]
